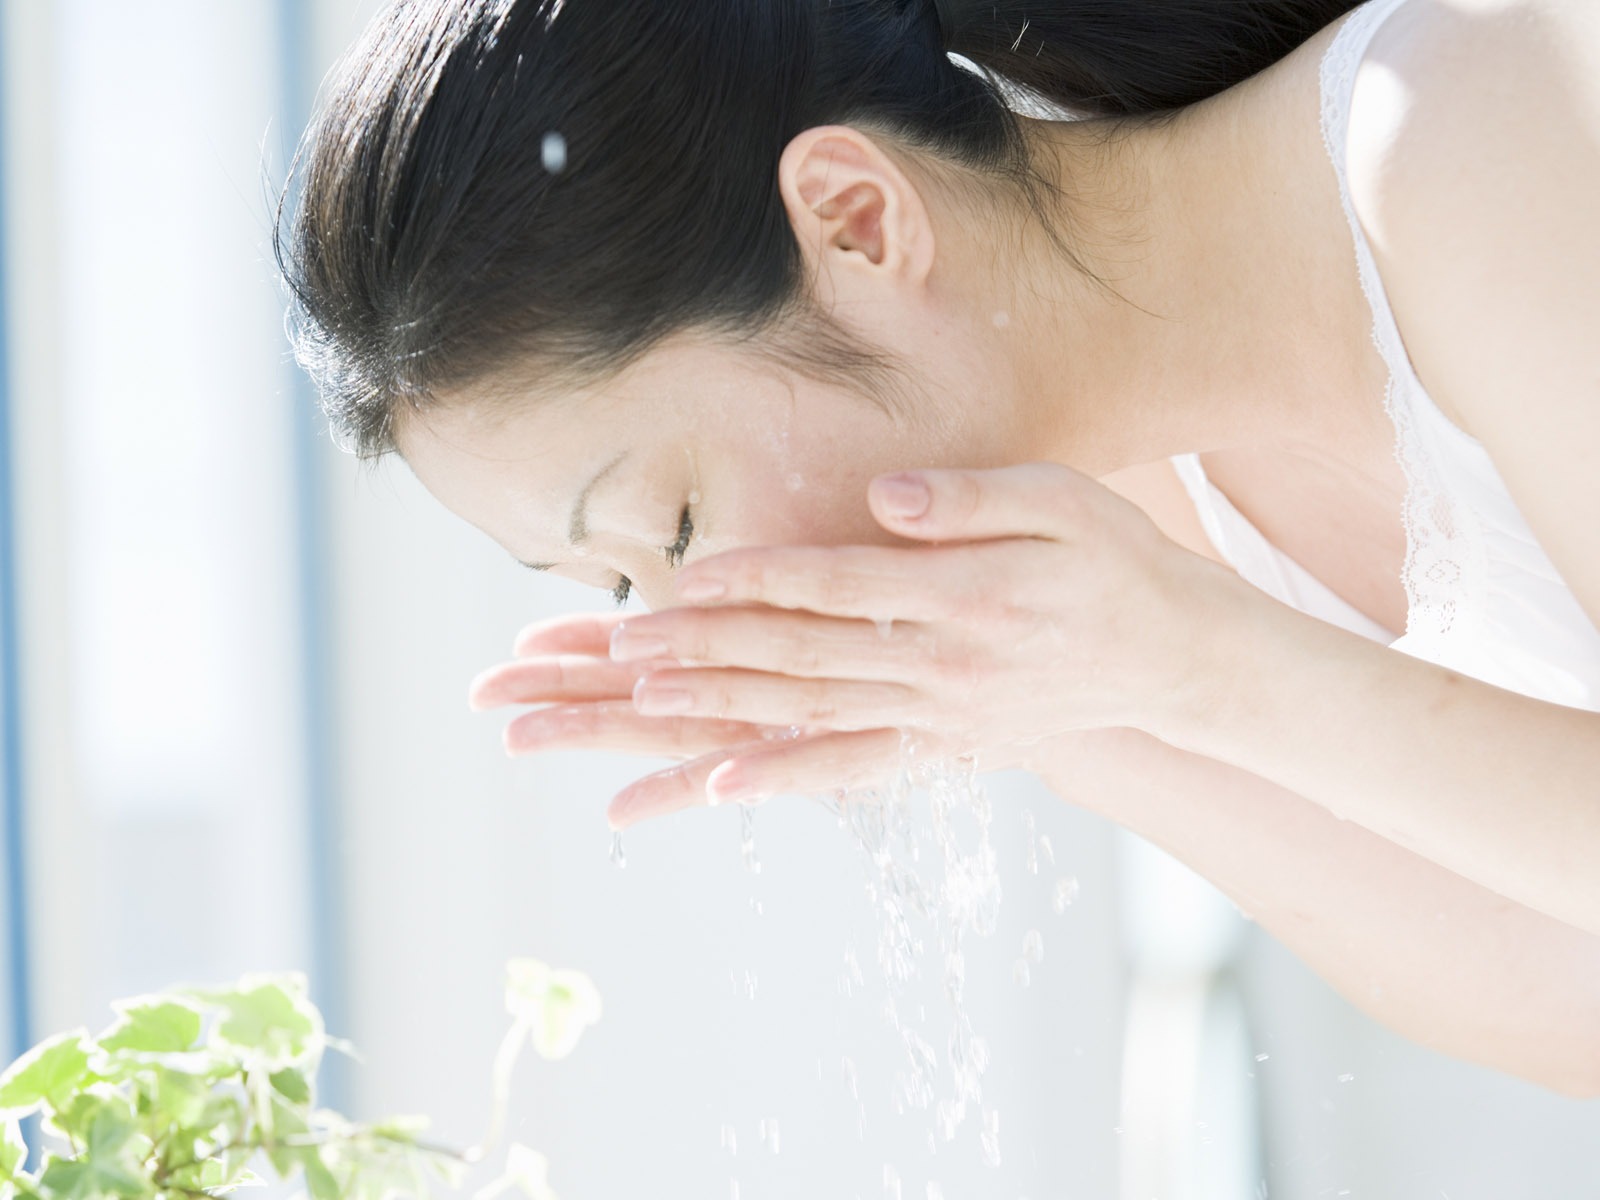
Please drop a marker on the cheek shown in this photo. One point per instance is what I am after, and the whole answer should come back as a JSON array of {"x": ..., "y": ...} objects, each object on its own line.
[{"x": 825, "y": 507}]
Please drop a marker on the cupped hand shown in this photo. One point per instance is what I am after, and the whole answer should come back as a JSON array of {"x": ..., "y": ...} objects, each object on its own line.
[
  {"x": 1038, "y": 604},
  {"x": 587, "y": 702}
]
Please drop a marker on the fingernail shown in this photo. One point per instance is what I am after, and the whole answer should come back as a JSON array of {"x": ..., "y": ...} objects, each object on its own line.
[
  {"x": 723, "y": 786},
  {"x": 654, "y": 702},
  {"x": 626, "y": 647},
  {"x": 702, "y": 589},
  {"x": 904, "y": 496}
]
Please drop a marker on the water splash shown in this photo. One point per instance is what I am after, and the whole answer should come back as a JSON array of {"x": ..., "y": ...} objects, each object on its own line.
[
  {"x": 553, "y": 153},
  {"x": 747, "y": 839},
  {"x": 1066, "y": 892},
  {"x": 962, "y": 896},
  {"x": 1033, "y": 947},
  {"x": 990, "y": 1138}
]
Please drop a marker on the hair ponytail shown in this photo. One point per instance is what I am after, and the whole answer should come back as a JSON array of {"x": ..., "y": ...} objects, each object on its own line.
[{"x": 1106, "y": 57}]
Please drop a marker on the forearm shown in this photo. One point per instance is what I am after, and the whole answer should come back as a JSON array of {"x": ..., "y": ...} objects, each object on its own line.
[
  {"x": 1493, "y": 785},
  {"x": 1419, "y": 948}
]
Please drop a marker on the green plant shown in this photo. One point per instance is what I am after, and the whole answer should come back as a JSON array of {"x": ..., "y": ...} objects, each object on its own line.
[{"x": 190, "y": 1091}]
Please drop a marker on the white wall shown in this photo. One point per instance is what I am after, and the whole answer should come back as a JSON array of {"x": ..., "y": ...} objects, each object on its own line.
[{"x": 157, "y": 559}]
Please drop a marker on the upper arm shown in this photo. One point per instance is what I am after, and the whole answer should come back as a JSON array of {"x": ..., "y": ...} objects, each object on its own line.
[
  {"x": 1474, "y": 159},
  {"x": 1156, "y": 488}
]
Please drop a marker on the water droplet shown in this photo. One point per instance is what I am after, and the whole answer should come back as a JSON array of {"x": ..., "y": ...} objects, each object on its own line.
[
  {"x": 553, "y": 152},
  {"x": 619, "y": 859},
  {"x": 885, "y": 628},
  {"x": 730, "y": 1139},
  {"x": 795, "y": 483},
  {"x": 1066, "y": 892},
  {"x": 1001, "y": 319},
  {"x": 989, "y": 1139},
  {"x": 1021, "y": 973},
  {"x": 1033, "y": 947},
  {"x": 1262, "y": 1057},
  {"x": 769, "y": 1136},
  {"x": 747, "y": 839},
  {"x": 733, "y": 1189},
  {"x": 848, "y": 1069},
  {"x": 935, "y": 1192},
  {"x": 891, "y": 1182},
  {"x": 756, "y": 906},
  {"x": 1049, "y": 850},
  {"x": 694, "y": 497},
  {"x": 1346, "y": 1078}
]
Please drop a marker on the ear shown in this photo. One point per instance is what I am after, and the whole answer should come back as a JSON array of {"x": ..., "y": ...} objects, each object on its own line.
[{"x": 857, "y": 216}]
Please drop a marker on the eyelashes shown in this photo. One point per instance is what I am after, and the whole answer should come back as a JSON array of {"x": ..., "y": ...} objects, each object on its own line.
[
  {"x": 679, "y": 548},
  {"x": 675, "y": 554}
]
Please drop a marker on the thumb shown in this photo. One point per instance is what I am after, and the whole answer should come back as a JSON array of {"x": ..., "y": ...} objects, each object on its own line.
[{"x": 1033, "y": 500}]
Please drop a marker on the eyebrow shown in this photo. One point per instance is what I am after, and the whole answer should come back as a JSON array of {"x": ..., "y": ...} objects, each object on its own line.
[{"x": 578, "y": 522}]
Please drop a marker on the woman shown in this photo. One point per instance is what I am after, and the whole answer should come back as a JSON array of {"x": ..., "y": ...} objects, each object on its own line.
[{"x": 1157, "y": 472}]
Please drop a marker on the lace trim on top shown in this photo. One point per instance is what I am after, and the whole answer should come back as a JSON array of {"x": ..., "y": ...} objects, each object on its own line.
[{"x": 1444, "y": 556}]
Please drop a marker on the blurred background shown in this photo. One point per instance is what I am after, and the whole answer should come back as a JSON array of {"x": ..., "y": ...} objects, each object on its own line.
[{"x": 235, "y": 738}]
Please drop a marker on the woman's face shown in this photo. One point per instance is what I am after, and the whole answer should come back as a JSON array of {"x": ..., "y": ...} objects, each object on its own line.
[{"x": 694, "y": 450}]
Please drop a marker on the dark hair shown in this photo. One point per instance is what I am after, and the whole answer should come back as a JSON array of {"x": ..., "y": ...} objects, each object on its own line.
[{"x": 568, "y": 182}]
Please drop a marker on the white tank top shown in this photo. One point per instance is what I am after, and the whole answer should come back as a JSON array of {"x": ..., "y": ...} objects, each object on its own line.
[{"x": 1483, "y": 597}]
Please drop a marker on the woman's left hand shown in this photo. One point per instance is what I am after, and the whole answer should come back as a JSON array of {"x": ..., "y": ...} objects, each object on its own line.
[{"x": 1041, "y": 603}]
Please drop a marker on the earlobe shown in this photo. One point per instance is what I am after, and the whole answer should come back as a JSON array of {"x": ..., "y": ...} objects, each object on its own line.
[{"x": 848, "y": 201}]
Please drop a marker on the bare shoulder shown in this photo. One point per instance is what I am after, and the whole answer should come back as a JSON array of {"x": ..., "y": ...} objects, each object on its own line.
[
  {"x": 1156, "y": 488},
  {"x": 1474, "y": 162}
]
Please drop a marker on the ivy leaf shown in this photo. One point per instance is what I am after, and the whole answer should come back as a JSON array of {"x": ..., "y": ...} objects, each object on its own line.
[
  {"x": 556, "y": 1005},
  {"x": 13, "y": 1151},
  {"x": 47, "y": 1074},
  {"x": 110, "y": 1164},
  {"x": 292, "y": 1085},
  {"x": 219, "y": 1178},
  {"x": 176, "y": 1100},
  {"x": 152, "y": 1025},
  {"x": 268, "y": 1015}
]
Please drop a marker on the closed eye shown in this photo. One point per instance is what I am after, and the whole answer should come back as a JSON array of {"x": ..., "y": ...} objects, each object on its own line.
[{"x": 679, "y": 548}]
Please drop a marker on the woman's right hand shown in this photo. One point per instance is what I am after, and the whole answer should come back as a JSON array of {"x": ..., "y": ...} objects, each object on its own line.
[{"x": 564, "y": 665}]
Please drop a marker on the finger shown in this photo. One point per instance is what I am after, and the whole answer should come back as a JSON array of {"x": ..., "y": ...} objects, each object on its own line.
[
  {"x": 815, "y": 764},
  {"x": 1041, "y": 500},
  {"x": 780, "y": 641},
  {"x": 779, "y": 700},
  {"x": 868, "y": 582},
  {"x": 574, "y": 633},
  {"x": 830, "y": 763},
  {"x": 566, "y": 677},
  {"x": 617, "y": 725}
]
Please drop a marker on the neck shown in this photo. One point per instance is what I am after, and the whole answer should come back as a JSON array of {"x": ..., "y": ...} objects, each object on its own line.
[{"x": 1228, "y": 315}]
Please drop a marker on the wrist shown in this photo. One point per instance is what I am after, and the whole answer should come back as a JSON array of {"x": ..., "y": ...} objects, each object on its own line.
[{"x": 1216, "y": 668}]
